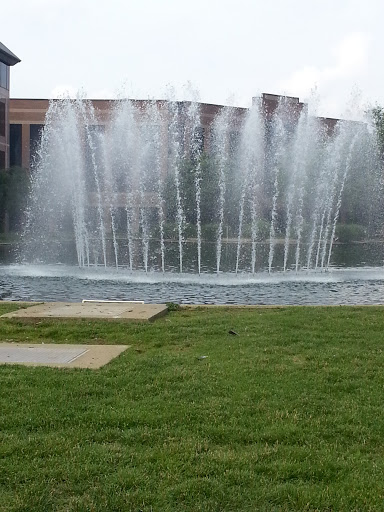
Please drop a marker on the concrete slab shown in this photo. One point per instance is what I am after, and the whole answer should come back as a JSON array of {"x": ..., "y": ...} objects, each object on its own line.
[
  {"x": 59, "y": 356},
  {"x": 115, "y": 311}
]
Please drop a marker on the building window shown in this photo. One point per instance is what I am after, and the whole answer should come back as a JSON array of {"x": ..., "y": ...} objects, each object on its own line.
[
  {"x": 2, "y": 118},
  {"x": 4, "y": 76},
  {"x": 34, "y": 141},
  {"x": 2, "y": 159},
  {"x": 15, "y": 145}
]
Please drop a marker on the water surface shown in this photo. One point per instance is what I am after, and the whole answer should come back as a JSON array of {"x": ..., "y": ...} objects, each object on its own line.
[{"x": 364, "y": 285}]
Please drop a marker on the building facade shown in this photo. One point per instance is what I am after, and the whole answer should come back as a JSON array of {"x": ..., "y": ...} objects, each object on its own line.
[
  {"x": 7, "y": 59},
  {"x": 27, "y": 119}
]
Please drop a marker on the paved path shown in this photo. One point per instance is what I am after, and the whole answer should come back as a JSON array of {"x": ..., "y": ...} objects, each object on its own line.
[
  {"x": 114, "y": 311},
  {"x": 59, "y": 355}
]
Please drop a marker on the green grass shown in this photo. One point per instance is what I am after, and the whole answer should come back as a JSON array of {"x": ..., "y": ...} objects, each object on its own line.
[{"x": 286, "y": 416}]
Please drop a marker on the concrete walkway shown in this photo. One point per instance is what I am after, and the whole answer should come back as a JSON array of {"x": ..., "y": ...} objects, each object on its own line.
[
  {"x": 60, "y": 355},
  {"x": 114, "y": 311}
]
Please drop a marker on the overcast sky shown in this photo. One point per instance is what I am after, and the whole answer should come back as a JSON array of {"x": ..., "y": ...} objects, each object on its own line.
[{"x": 229, "y": 50}]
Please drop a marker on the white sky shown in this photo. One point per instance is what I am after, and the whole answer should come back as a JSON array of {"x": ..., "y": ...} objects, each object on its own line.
[{"x": 229, "y": 50}]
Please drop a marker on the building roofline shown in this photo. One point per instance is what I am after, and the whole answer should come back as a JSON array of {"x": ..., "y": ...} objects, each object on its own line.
[
  {"x": 7, "y": 57},
  {"x": 131, "y": 99}
]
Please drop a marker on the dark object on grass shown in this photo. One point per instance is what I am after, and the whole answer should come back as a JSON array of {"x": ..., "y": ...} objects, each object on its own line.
[
  {"x": 172, "y": 306},
  {"x": 234, "y": 333}
]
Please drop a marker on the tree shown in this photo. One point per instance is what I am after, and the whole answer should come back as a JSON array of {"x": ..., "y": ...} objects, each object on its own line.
[
  {"x": 14, "y": 188},
  {"x": 187, "y": 177},
  {"x": 377, "y": 114}
]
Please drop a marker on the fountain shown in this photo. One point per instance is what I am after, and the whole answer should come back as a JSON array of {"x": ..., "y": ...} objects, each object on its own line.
[
  {"x": 157, "y": 195},
  {"x": 119, "y": 189}
]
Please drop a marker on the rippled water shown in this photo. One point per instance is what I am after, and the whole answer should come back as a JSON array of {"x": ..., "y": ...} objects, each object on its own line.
[{"x": 67, "y": 283}]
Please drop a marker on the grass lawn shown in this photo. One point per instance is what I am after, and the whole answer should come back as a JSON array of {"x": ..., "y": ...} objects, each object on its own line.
[{"x": 285, "y": 416}]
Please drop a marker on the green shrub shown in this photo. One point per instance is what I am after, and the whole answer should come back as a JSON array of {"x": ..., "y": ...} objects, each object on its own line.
[
  {"x": 173, "y": 306},
  {"x": 350, "y": 232},
  {"x": 190, "y": 231},
  {"x": 209, "y": 231},
  {"x": 170, "y": 230},
  {"x": 262, "y": 230}
]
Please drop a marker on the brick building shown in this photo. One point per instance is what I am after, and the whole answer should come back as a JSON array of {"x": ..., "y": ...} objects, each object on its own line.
[
  {"x": 7, "y": 59},
  {"x": 27, "y": 118}
]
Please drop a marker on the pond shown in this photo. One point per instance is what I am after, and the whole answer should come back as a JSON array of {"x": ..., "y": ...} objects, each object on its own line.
[{"x": 356, "y": 277}]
